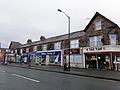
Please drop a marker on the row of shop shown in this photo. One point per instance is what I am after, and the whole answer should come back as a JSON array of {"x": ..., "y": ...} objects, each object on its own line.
[
  {"x": 105, "y": 57},
  {"x": 45, "y": 58},
  {"x": 52, "y": 57}
]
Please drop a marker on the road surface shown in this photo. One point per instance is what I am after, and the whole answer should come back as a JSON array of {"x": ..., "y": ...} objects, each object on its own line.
[{"x": 13, "y": 78}]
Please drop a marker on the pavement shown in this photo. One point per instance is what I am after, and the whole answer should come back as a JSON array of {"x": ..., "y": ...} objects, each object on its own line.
[{"x": 100, "y": 74}]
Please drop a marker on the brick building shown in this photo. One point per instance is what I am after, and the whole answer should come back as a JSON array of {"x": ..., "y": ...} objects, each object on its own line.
[
  {"x": 102, "y": 43},
  {"x": 92, "y": 47}
]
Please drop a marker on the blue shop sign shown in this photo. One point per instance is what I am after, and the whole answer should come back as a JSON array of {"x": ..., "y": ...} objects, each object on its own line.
[
  {"x": 43, "y": 53},
  {"x": 48, "y": 53}
]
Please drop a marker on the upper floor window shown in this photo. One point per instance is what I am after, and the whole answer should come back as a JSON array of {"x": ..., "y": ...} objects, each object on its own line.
[
  {"x": 74, "y": 44},
  {"x": 12, "y": 51},
  {"x": 35, "y": 48},
  {"x": 112, "y": 39},
  {"x": 44, "y": 47},
  {"x": 95, "y": 41},
  {"x": 98, "y": 25},
  {"x": 16, "y": 51},
  {"x": 27, "y": 49},
  {"x": 57, "y": 45},
  {"x": 21, "y": 50}
]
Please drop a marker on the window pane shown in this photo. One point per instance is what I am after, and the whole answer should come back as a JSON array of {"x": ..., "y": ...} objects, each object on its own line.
[
  {"x": 98, "y": 38},
  {"x": 77, "y": 59},
  {"x": 95, "y": 41},
  {"x": 92, "y": 41},
  {"x": 57, "y": 46},
  {"x": 74, "y": 44},
  {"x": 112, "y": 39},
  {"x": 44, "y": 47},
  {"x": 98, "y": 25}
]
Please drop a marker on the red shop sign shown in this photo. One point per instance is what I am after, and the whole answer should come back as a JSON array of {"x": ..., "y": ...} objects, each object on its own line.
[{"x": 72, "y": 51}]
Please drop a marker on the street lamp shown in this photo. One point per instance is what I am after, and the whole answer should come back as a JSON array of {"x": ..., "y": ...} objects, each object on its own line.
[{"x": 68, "y": 36}]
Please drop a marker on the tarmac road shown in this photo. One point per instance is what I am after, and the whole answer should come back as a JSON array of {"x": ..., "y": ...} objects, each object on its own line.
[{"x": 13, "y": 78}]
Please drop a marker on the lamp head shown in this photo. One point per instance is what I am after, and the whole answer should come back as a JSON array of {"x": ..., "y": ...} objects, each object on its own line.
[{"x": 59, "y": 10}]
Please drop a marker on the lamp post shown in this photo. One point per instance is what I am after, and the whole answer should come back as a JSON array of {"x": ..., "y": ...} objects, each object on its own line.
[{"x": 68, "y": 36}]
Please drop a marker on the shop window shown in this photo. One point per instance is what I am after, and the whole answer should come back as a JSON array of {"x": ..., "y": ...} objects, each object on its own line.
[
  {"x": 74, "y": 58},
  {"x": 55, "y": 59},
  {"x": 43, "y": 59},
  {"x": 51, "y": 58}
]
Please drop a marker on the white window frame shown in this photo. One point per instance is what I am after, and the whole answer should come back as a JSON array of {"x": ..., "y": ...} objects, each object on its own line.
[
  {"x": 11, "y": 51},
  {"x": 35, "y": 48},
  {"x": 92, "y": 41},
  {"x": 98, "y": 25},
  {"x": 16, "y": 51},
  {"x": 74, "y": 43},
  {"x": 112, "y": 38},
  {"x": 57, "y": 45},
  {"x": 44, "y": 47},
  {"x": 21, "y": 50},
  {"x": 27, "y": 49},
  {"x": 95, "y": 41}
]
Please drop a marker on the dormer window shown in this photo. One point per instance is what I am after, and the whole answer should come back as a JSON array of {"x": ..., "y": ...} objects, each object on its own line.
[{"x": 98, "y": 25}]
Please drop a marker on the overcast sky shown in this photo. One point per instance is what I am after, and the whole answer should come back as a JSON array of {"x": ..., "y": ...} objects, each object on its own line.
[{"x": 23, "y": 19}]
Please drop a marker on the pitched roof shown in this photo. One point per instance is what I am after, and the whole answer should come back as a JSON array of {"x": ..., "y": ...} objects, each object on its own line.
[
  {"x": 14, "y": 45},
  {"x": 98, "y": 14},
  {"x": 73, "y": 35}
]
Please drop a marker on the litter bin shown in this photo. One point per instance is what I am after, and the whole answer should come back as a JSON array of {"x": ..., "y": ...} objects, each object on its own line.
[{"x": 65, "y": 67}]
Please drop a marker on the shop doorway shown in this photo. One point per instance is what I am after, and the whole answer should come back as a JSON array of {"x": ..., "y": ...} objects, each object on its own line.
[
  {"x": 95, "y": 61},
  {"x": 101, "y": 61},
  {"x": 91, "y": 61}
]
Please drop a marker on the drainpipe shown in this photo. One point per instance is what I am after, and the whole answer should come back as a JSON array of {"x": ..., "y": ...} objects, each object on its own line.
[{"x": 111, "y": 62}]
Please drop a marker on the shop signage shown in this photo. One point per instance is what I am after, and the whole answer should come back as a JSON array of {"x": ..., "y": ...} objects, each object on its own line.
[
  {"x": 49, "y": 53},
  {"x": 72, "y": 51},
  {"x": 95, "y": 48}
]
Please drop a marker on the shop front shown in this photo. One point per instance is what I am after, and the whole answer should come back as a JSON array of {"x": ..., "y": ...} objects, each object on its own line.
[
  {"x": 100, "y": 60},
  {"x": 101, "y": 57},
  {"x": 48, "y": 58},
  {"x": 76, "y": 57},
  {"x": 9, "y": 58},
  {"x": 117, "y": 61},
  {"x": 31, "y": 58},
  {"x": 24, "y": 58},
  {"x": 1, "y": 57}
]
